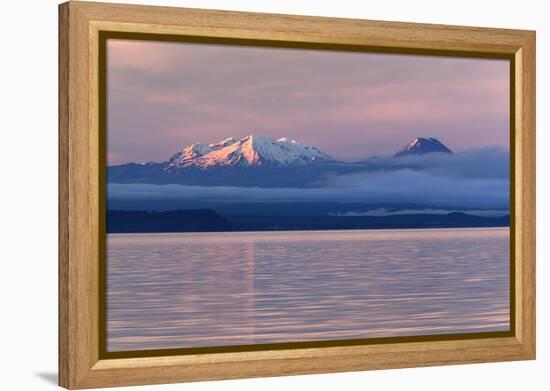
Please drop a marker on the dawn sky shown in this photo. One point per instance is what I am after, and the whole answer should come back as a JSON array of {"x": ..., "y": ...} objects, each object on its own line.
[{"x": 163, "y": 96}]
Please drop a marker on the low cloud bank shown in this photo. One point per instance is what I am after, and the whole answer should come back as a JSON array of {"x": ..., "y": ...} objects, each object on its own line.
[
  {"x": 403, "y": 186},
  {"x": 390, "y": 212},
  {"x": 488, "y": 162},
  {"x": 470, "y": 180}
]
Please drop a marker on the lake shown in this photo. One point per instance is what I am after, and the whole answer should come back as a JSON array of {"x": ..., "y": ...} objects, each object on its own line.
[{"x": 214, "y": 289}]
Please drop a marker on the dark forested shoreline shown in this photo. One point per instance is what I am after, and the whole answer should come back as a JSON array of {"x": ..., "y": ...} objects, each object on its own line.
[{"x": 208, "y": 220}]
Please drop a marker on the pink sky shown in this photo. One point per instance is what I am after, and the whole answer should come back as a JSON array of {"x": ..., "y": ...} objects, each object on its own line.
[{"x": 163, "y": 96}]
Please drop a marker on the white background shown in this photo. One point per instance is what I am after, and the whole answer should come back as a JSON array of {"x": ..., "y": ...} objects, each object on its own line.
[{"x": 28, "y": 214}]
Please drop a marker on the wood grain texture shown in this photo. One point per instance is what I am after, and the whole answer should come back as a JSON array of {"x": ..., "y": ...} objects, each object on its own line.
[
  {"x": 526, "y": 132},
  {"x": 80, "y": 162},
  {"x": 63, "y": 177}
]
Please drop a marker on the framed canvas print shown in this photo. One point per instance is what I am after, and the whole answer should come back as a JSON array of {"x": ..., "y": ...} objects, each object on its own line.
[{"x": 248, "y": 195}]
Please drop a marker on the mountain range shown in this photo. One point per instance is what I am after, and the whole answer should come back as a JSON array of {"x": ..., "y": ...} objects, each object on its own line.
[{"x": 257, "y": 161}]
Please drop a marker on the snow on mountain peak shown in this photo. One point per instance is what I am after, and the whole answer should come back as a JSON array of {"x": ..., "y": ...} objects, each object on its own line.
[
  {"x": 223, "y": 143},
  {"x": 423, "y": 145},
  {"x": 251, "y": 150},
  {"x": 189, "y": 153},
  {"x": 287, "y": 140}
]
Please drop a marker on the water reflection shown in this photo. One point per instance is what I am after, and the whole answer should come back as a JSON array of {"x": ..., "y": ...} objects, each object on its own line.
[{"x": 212, "y": 289}]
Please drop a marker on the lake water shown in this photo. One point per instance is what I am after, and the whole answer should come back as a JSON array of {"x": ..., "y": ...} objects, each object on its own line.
[{"x": 214, "y": 289}]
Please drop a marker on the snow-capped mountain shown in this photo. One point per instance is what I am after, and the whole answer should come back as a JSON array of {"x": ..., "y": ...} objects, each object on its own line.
[
  {"x": 248, "y": 151},
  {"x": 422, "y": 146},
  {"x": 258, "y": 161}
]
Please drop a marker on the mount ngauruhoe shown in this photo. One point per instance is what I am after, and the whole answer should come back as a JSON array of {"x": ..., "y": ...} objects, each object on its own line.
[
  {"x": 422, "y": 146},
  {"x": 254, "y": 161}
]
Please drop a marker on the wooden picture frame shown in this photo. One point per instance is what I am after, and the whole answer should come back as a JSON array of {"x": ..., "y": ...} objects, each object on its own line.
[{"x": 81, "y": 163}]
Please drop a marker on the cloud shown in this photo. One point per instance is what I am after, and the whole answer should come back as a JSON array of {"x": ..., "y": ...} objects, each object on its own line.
[
  {"x": 390, "y": 212},
  {"x": 402, "y": 186},
  {"x": 488, "y": 162},
  {"x": 477, "y": 179}
]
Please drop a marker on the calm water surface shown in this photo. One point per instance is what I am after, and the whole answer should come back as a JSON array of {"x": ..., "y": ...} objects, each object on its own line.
[{"x": 212, "y": 289}]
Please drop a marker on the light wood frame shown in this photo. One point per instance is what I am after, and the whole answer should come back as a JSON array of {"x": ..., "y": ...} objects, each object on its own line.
[{"x": 80, "y": 166}]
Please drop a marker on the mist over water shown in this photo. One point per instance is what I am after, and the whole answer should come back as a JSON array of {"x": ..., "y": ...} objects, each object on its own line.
[{"x": 215, "y": 289}]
